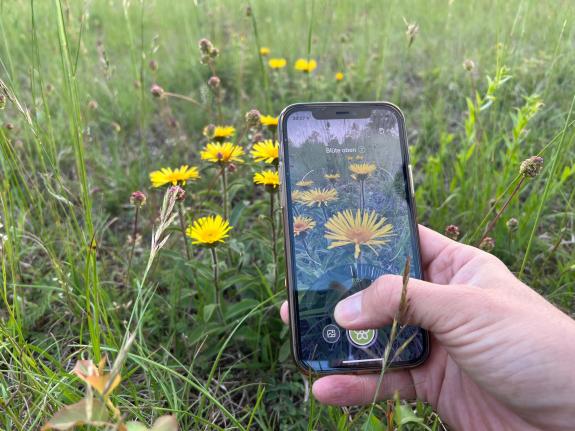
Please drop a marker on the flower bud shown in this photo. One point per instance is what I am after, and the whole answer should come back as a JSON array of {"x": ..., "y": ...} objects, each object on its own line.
[
  {"x": 209, "y": 131},
  {"x": 205, "y": 46},
  {"x": 179, "y": 192},
  {"x": 253, "y": 118},
  {"x": 153, "y": 64},
  {"x": 9, "y": 126},
  {"x": 468, "y": 65},
  {"x": 232, "y": 167},
  {"x": 138, "y": 199},
  {"x": 258, "y": 137},
  {"x": 214, "y": 82},
  {"x": 531, "y": 167},
  {"x": 157, "y": 91},
  {"x": 512, "y": 224},
  {"x": 214, "y": 52},
  {"x": 487, "y": 244},
  {"x": 452, "y": 231},
  {"x": 116, "y": 127},
  {"x": 93, "y": 105}
]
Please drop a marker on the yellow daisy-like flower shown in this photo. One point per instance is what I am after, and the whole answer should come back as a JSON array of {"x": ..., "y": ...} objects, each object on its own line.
[
  {"x": 362, "y": 170},
  {"x": 264, "y": 50},
  {"x": 209, "y": 230},
  {"x": 297, "y": 196},
  {"x": 178, "y": 176},
  {"x": 269, "y": 120},
  {"x": 304, "y": 183},
  {"x": 222, "y": 152},
  {"x": 319, "y": 197},
  {"x": 332, "y": 178},
  {"x": 345, "y": 228},
  {"x": 304, "y": 65},
  {"x": 302, "y": 224},
  {"x": 339, "y": 76},
  {"x": 219, "y": 133},
  {"x": 267, "y": 178},
  {"x": 277, "y": 63},
  {"x": 266, "y": 151}
]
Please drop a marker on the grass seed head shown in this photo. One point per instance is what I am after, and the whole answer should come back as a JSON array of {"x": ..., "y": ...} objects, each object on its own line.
[{"x": 531, "y": 167}]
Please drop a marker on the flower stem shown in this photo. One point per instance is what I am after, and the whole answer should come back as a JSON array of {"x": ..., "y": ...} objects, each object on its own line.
[
  {"x": 182, "y": 97},
  {"x": 324, "y": 213},
  {"x": 491, "y": 225},
  {"x": 274, "y": 240},
  {"x": 183, "y": 229},
  {"x": 362, "y": 196},
  {"x": 225, "y": 191},
  {"x": 217, "y": 283},
  {"x": 134, "y": 233}
]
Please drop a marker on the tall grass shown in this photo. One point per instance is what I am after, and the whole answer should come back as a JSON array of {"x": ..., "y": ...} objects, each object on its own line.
[{"x": 68, "y": 167}]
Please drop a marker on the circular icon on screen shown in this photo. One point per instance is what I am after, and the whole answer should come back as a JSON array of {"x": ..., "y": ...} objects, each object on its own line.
[
  {"x": 362, "y": 338},
  {"x": 330, "y": 333}
]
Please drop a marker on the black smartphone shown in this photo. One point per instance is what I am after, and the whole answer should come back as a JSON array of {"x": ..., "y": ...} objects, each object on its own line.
[{"x": 349, "y": 217}]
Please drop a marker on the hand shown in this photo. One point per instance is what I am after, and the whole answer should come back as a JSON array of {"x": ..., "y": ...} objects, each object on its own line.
[{"x": 501, "y": 355}]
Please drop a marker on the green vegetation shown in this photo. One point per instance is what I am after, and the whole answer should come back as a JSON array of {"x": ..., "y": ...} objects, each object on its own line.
[{"x": 82, "y": 131}]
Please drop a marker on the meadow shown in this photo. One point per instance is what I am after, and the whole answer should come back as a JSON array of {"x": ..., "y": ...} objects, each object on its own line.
[{"x": 135, "y": 297}]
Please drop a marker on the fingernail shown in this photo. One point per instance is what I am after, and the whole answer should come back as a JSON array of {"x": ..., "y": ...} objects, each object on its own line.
[{"x": 349, "y": 309}]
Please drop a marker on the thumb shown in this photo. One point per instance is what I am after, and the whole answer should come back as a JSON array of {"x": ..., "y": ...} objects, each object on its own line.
[{"x": 435, "y": 307}]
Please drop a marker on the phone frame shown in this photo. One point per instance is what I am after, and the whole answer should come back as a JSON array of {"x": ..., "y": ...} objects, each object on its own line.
[{"x": 286, "y": 215}]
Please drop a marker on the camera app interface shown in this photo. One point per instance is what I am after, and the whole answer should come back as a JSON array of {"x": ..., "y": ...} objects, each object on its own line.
[{"x": 350, "y": 224}]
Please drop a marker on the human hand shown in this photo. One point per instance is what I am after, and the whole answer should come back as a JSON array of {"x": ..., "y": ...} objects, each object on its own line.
[{"x": 501, "y": 355}]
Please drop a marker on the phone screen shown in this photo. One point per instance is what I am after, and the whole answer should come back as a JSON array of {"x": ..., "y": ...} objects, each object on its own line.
[{"x": 350, "y": 221}]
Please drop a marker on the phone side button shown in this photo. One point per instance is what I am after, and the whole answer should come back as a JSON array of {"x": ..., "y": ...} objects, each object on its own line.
[{"x": 411, "y": 186}]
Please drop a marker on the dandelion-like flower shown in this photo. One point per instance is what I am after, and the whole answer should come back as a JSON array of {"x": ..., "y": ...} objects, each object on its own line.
[
  {"x": 277, "y": 63},
  {"x": 209, "y": 231},
  {"x": 219, "y": 133},
  {"x": 266, "y": 151},
  {"x": 306, "y": 66},
  {"x": 304, "y": 183},
  {"x": 332, "y": 178},
  {"x": 268, "y": 178},
  {"x": 178, "y": 176},
  {"x": 362, "y": 170},
  {"x": 359, "y": 229},
  {"x": 339, "y": 76},
  {"x": 222, "y": 153},
  {"x": 269, "y": 121},
  {"x": 319, "y": 197},
  {"x": 302, "y": 224},
  {"x": 297, "y": 196},
  {"x": 264, "y": 50}
]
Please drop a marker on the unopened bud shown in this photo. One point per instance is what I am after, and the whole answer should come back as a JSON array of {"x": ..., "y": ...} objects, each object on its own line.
[
  {"x": 157, "y": 91},
  {"x": 153, "y": 64},
  {"x": 468, "y": 65},
  {"x": 253, "y": 118},
  {"x": 9, "y": 126},
  {"x": 205, "y": 46},
  {"x": 512, "y": 224},
  {"x": 138, "y": 199},
  {"x": 116, "y": 127},
  {"x": 531, "y": 167},
  {"x": 232, "y": 167},
  {"x": 214, "y": 52},
  {"x": 179, "y": 192},
  {"x": 452, "y": 231},
  {"x": 214, "y": 82},
  {"x": 487, "y": 244},
  {"x": 209, "y": 131},
  {"x": 258, "y": 137},
  {"x": 93, "y": 105}
]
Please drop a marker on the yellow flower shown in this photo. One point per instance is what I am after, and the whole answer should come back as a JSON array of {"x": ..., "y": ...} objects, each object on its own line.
[
  {"x": 302, "y": 224},
  {"x": 269, "y": 120},
  {"x": 331, "y": 177},
  {"x": 297, "y": 196},
  {"x": 339, "y": 76},
  {"x": 304, "y": 183},
  {"x": 264, "y": 50},
  {"x": 304, "y": 65},
  {"x": 266, "y": 151},
  {"x": 176, "y": 176},
  {"x": 362, "y": 170},
  {"x": 268, "y": 178},
  {"x": 345, "y": 228},
  {"x": 319, "y": 196},
  {"x": 219, "y": 133},
  {"x": 277, "y": 63},
  {"x": 222, "y": 152},
  {"x": 209, "y": 230},
  {"x": 358, "y": 157}
]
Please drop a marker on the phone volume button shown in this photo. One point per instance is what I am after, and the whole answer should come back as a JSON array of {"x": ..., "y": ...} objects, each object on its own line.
[{"x": 411, "y": 184}]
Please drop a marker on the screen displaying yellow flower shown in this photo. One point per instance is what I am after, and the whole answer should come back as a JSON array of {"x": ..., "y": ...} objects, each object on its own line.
[
  {"x": 332, "y": 177},
  {"x": 218, "y": 152},
  {"x": 319, "y": 196},
  {"x": 178, "y": 176},
  {"x": 266, "y": 151},
  {"x": 267, "y": 178},
  {"x": 304, "y": 183},
  {"x": 304, "y": 65},
  {"x": 269, "y": 120},
  {"x": 362, "y": 170},
  {"x": 277, "y": 63},
  {"x": 362, "y": 229},
  {"x": 302, "y": 224},
  {"x": 209, "y": 230},
  {"x": 297, "y": 196}
]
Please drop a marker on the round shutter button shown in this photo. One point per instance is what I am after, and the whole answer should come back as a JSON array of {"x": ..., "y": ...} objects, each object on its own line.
[{"x": 362, "y": 338}]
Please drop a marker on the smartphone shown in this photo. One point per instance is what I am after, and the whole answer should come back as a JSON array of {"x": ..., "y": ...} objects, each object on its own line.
[{"x": 349, "y": 217}]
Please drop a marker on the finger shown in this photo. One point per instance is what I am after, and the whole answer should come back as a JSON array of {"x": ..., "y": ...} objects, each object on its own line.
[
  {"x": 284, "y": 312},
  {"x": 432, "y": 306},
  {"x": 344, "y": 390},
  {"x": 432, "y": 244}
]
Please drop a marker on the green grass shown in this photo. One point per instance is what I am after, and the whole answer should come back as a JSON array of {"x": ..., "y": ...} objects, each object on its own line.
[{"x": 67, "y": 171}]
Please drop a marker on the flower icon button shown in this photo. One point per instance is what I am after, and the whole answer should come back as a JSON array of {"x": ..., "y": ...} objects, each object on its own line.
[{"x": 362, "y": 338}]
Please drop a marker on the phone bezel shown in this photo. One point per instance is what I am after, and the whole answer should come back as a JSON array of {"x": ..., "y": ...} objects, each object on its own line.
[{"x": 289, "y": 259}]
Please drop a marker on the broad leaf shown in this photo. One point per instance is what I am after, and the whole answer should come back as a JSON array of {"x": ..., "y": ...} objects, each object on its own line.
[{"x": 83, "y": 412}]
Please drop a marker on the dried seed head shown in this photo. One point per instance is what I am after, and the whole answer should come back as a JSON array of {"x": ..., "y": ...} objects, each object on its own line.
[
  {"x": 205, "y": 46},
  {"x": 232, "y": 167},
  {"x": 214, "y": 52},
  {"x": 253, "y": 118},
  {"x": 512, "y": 224},
  {"x": 93, "y": 105},
  {"x": 468, "y": 65},
  {"x": 157, "y": 91},
  {"x": 531, "y": 167},
  {"x": 487, "y": 244},
  {"x": 153, "y": 64},
  {"x": 179, "y": 192},
  {"x": 411, "y": 31},
  {"x": 214, "y": 82},
  {"x": 452, "y": 231},
  {"x": 138, "y": 199}
]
